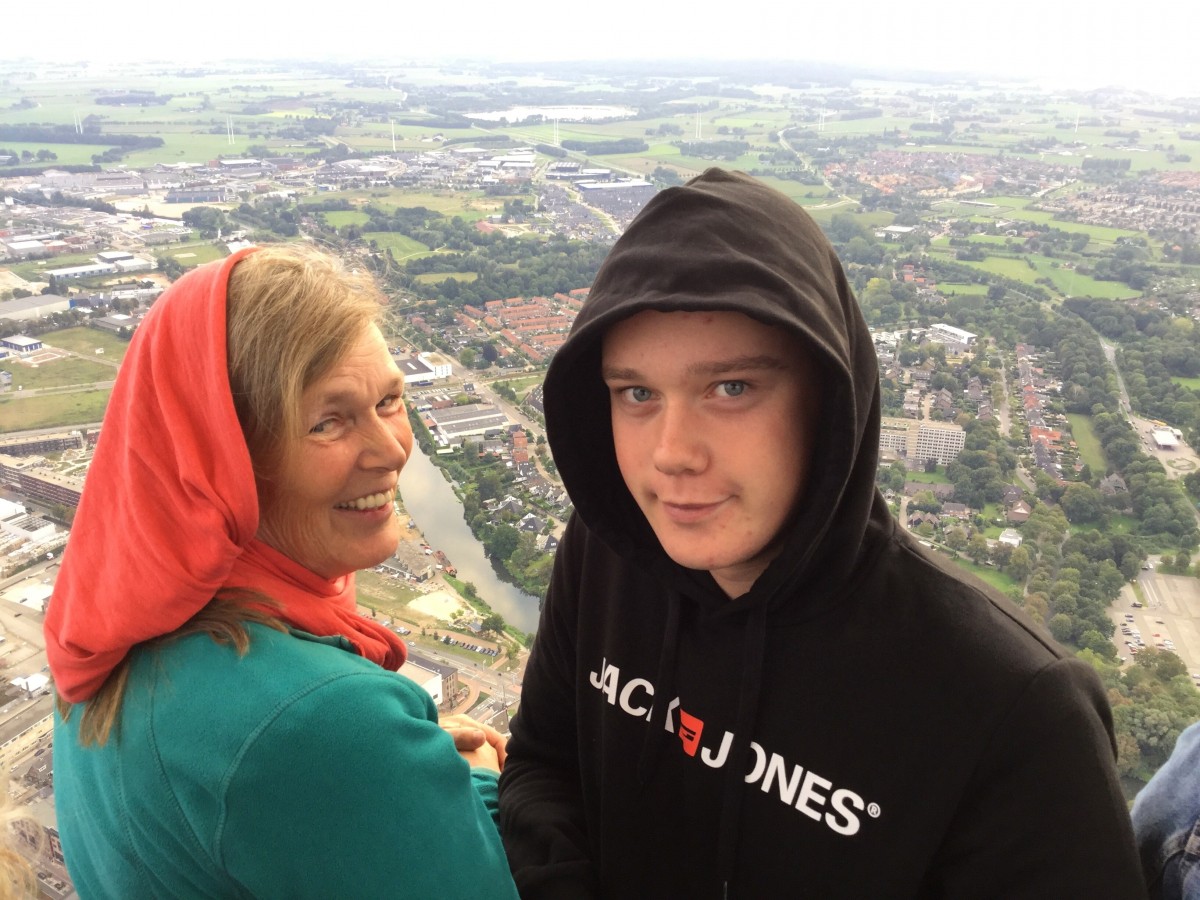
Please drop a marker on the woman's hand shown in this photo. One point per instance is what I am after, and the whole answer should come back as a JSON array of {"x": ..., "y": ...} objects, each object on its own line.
[{"x": 482, "y": 746}]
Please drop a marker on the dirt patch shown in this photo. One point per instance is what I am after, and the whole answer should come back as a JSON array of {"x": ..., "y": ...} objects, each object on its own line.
[
  {"x": 442, "y": 605},
  {"x": 10, "y": 280}
]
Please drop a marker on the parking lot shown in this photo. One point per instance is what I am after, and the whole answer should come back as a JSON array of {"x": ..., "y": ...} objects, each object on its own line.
[{"x": 1170, "y": 616}]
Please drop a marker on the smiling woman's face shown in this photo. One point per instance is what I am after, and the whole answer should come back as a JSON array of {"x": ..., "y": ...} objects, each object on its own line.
[{"x": 328, "y": 505}]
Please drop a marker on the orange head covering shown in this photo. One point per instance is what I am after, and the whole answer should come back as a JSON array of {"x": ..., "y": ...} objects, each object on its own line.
[{"x": 170, "y": 510}]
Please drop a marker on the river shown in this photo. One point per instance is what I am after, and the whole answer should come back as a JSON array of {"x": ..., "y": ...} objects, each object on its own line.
[{"x": 431, "y": 503}]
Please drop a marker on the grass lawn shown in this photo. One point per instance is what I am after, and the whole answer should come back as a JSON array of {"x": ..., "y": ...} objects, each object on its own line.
[
  {"x": 189, "y": 255},
  {"x": 1122, "y": 524},
  {"x": 958, "y": 289},
  {"x": 994, "y": 577},
  {"x": 35, "y": 270},
  {"x": 1090, "y": 450},
  {"x": 402, "y": 246},
  {"x": 340, "y": 218},
  {"x": 87, "y": 341},
  {"x": 927, "y": 477},
  {"x": 60, "y": 373},
  {"x": 1193, "y": 383},
  {"x": 470, "y": 205},
  {"x": 389, "y": 596},
  {"x": 52, "y": 410}
]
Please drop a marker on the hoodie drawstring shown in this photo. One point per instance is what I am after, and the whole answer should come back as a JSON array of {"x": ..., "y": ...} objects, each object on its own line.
[{"x": 735, "y": 778}]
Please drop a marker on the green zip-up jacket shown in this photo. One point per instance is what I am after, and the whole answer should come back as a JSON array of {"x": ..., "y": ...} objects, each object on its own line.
[{"x": 298, "y": 770}]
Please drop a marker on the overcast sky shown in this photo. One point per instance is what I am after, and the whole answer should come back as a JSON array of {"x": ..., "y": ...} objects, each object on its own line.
[{"x": 1149, "y": 45}]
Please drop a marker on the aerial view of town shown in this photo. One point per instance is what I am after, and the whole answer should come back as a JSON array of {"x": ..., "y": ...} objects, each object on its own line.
[{"x": 1027, "y": 259}]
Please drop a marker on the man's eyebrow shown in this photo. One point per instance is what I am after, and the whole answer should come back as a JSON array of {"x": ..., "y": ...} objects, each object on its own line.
[
  {"x": 705, "y": 367},
  {"x": 737, "y": 364}
]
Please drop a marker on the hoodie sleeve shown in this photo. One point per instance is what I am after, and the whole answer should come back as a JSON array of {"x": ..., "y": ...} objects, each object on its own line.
[
  {"x": 1056, "y": 743},
  {"x": 542, "y": 816}
]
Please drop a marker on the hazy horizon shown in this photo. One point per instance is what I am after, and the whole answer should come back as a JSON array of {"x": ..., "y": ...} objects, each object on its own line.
[{"x": 1021, "y": 40}]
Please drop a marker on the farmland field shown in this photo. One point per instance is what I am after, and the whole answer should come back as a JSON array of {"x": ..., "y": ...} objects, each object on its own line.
[
  {"x": 49, "y": 410},
  {"x": 86, "y": 341}
]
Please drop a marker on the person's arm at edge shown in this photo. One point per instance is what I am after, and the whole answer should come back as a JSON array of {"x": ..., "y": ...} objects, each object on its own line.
[
  {"x": 354, "y": 790},
  {"x": 542, "y": 818},
  {"x": 1044, "y": 815}
]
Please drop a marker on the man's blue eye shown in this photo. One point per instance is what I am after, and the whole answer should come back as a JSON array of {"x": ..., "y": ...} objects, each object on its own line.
[{"x": 733, "y": 388}]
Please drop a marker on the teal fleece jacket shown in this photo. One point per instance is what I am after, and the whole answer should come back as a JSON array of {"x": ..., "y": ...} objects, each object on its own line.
[{"x": 298, "y": 770}]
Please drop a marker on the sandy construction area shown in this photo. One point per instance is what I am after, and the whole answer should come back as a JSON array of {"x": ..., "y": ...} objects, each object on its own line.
[
  {"x": 439, "y": 604},
  {"x": 10, "y": 280}
]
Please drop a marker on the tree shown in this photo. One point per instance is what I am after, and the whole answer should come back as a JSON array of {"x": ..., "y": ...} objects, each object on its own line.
[
  {"x": 1019, "y": 564},
  {"x": 1061, "y": 627},
  {"x": 493, "y": 623},
  {"x": 977, "y": 549},
  {"x": 1082, "y": 503}
]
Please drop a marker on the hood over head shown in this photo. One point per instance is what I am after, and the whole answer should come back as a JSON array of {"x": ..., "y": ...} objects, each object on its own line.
[
  {"x": 725, "y": 241},
  {"x": 169, "y": 512}
]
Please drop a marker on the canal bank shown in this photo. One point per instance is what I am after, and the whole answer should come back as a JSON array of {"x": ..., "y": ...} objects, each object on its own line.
[{"x": 431, "y": 502}]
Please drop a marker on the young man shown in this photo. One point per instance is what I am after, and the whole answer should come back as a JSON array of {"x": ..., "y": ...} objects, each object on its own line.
[{"x": 747, "y": 679}]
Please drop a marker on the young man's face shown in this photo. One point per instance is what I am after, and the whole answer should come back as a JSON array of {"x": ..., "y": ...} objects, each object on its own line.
[{"x": 712, "y": 417}]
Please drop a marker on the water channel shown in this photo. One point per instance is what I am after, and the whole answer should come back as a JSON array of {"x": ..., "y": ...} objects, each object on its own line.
[{"x": 431, "y": 503}]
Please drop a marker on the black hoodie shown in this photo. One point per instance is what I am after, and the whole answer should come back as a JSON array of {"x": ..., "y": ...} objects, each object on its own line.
[{"x": 866, "y": 722}]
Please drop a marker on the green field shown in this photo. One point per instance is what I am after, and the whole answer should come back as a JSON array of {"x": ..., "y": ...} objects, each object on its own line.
[
  {"x": 35, "y": 270},
  {"x": 51, "y": 410},
  {"x": 86, "y": 341},
  {"x": 189, "y": 255},
  {"x": 927, "y": 477},
  {"x": 470, "y": 205},
  {"x": 340, "y": 218},
  {"x": 60, "y": 373},
  {"x": 1193, "y": 383},
  {"x": 1066, "y": 282},
  {"x": 992, "y": 576},
  {"x": 1090, "y": 450},
  {"x": 402, "y": 246},
  {"x": 959, "y": 289}
]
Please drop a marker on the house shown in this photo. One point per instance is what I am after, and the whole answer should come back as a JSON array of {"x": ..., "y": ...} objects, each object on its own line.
[
  {"x": 941, "y": 491},
  {"x": 530, "y": 522},
  {"x": 1019, "y": 512},
  {"x": 1010, "y": 536},
  {"x": 918, "y": 519},
  {"x": 957, "y": 510}
]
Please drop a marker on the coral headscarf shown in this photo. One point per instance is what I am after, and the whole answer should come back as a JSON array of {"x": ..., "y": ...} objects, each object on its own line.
[{"x": 169, "y": 510}]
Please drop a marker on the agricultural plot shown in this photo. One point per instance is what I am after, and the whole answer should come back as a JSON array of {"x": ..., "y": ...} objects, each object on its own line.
[
  {"x": 51, "y": 410},
  {"x": 189, "y": 255},
  {"x": 403, "y": 247},
  {"x": 87, "y": 341},
  {"x": 60, "y": 372},
  {"x": 1091, "y": 452}
]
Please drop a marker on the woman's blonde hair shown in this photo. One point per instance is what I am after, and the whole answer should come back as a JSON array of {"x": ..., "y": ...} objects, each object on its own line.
[{"x": 292, "y": 312}]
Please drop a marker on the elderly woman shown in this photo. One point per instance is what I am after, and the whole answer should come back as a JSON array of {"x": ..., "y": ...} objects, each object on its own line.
[{"x": 229, "y": 726}]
